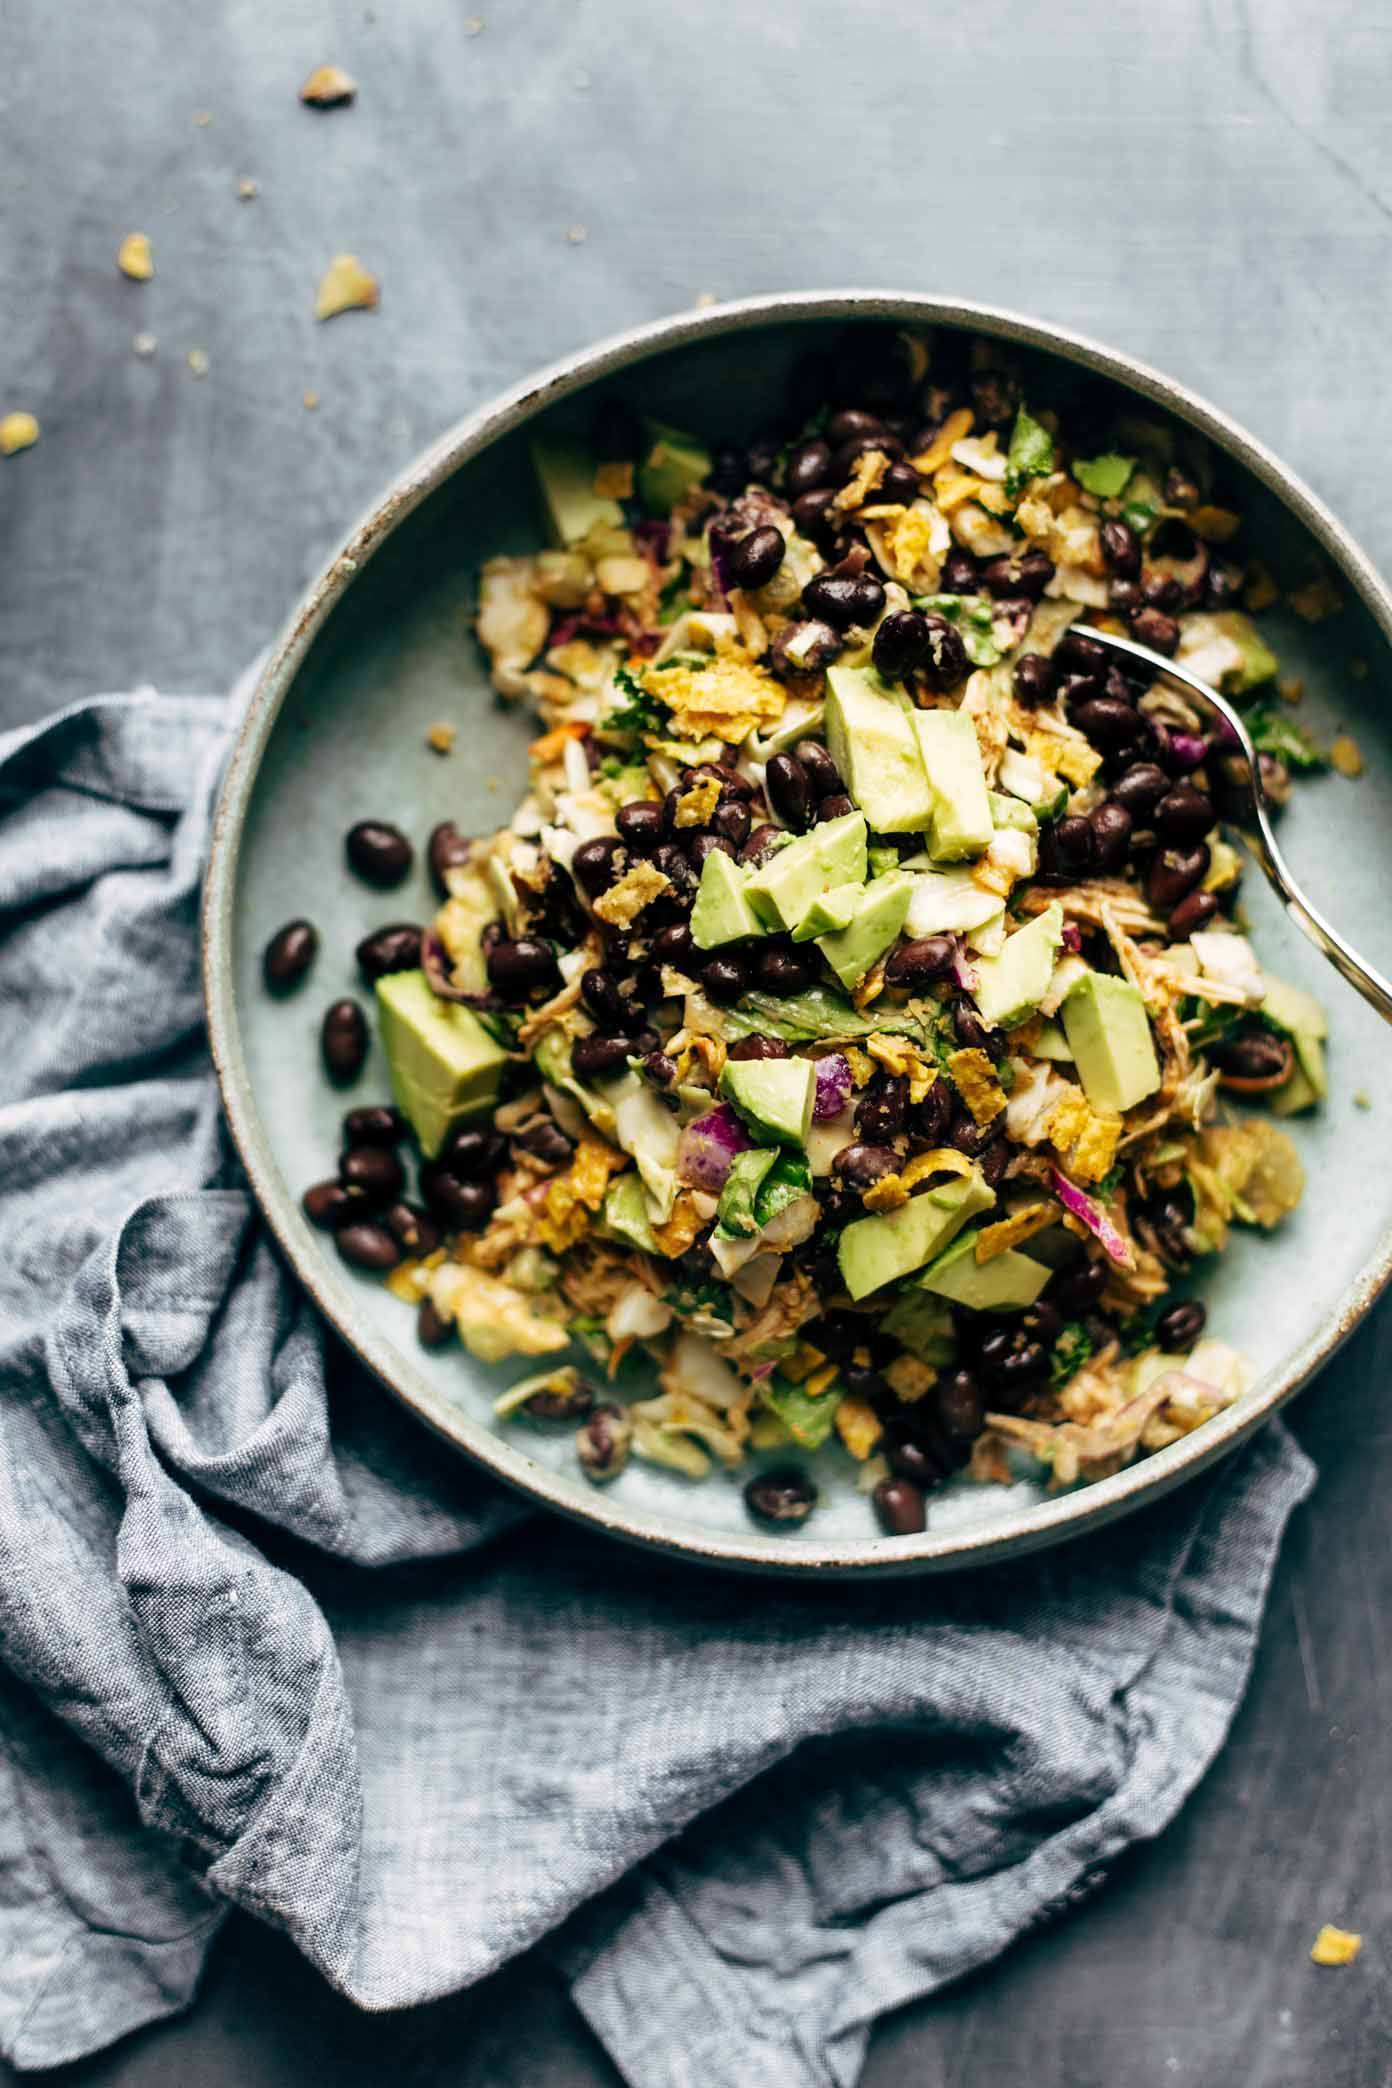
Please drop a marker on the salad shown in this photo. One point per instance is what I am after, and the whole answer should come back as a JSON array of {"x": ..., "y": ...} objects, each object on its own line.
[{"x": 843, "y": 1025}]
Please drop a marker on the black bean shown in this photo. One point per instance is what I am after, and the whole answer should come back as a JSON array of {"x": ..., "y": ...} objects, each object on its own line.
[
  {"x": 784, "y": 1498},
  {"x": 673, "y": 945},
  {"x": 731, "y": 822},
  {"x": 660, "y": 1069},
  {"x": 726, "y": 474},
  {"x": 995, "y": 397},
  {"x": 822, "y": 774},
  {"x": 447, "y": 849},
  {"x": 959, "y": 573},
  {"x": 546, "y": 1141},
  {"x": 756, "y": 557},
  {"x": 1067, "y": 851},
  {"x": 640, "y": 826},
  {"x": 377, "y": 1123},
  {"x": 599, "y": 990},
  {"x": 1124, "y": 597},
  {"x": 725, "y": 978},
  {"x": 599, "y": 1057},
  {"x": 1222, "y": 585},
  {"x": 1174, "y": 874},
  {"x": 899, "y": 1507},
  {"x": 1016, "y": 1363},
  {"x": 862, "y": 1379},
  {"x": 1183, "y": 814},
  {"x": 1154, "y": 628},
  {"x": 971, "y": 1031},
  {"x": 901, "y": 643},
  {"x": 601, "y": 1442},
  {"x": 909, "y": 1456},
  {"x": 960, "y": 1406},
  {"x": 761, "y": 459},
  {"x": 1032, "y": 679},
  {"x": 375, "y": 1170},
  {"x": 945, "y": 663},
  {"x": 1192, "y": 913},
  {"x": 834, "y": 807},
  {"x": 522, "y": 967},
  {"x": 929, "y": 1118},
  {"x": 851, "y": 424},
  {"x": 914, "y": 964},
  {"x": 1077, "y": 1287},
  {"x": 330, "y": 1204},
  {"x": 785, "y": 782},
  {"x": 1108, "y": 722},
  {"x": 1161, "y": 591},
  {"x": 1121, "y": 547},
  {"x": 1111, "y": 830},
  {"x": 815, "y": 515},
  {"x": 395, "y": 948},
  {"x": 1253, "y": 1054},
  {"x": 367, "y": 1246},
  {"x": 764, "y": 842},
  {"x": 782, "y": 972},
  {"x": 802, "y": 648},
  {"x": 413, "y": 1229},
  {"x": 861, "y": 1165},
  {"x": 843, "y": 599},
  {"x": 1179, "y": 1326},
  {"x": 700, "y": 845},
  {"x": 758, "y": 1046},
  {"x": 1025, "y": 573},
  {"x": 882, "y": 1110},
  {"x": 343, "y": 1040},
  {"x": 732, "y": 783},
  {"x": 676, "y": 868},
  {"x": 570, "y": 1402},
  {"x": 432, "y": 1331},
  {"x": 461, "y": 1205},
  {"x": 899, "y": 486},
  {"x": 808, "y": 467},
  {"x": 1081, "y": 655},
  {"x": 472, "y": 1153},
  {"x": 379, "y": 852},
  {"x": 1140, "y": 789},
  {"x": 289, "y": 954},
  {"x": 595, "y": 864}
]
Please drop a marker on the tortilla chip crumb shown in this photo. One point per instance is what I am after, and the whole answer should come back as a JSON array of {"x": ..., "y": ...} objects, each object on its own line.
[
  {"x": 197, "y": 359},
  {"x": 440, "y": 738},
  {"x": 474, "y": 26},
  {"x": 202, "y": 119},
  {"x": 1259, "y": 590},
  {"x": 575, "y": 236},
  {"x": 133, "y": 257},
  {"x": 858, "y": 1426},
  {"x": 1290, "y": 688},
  {"x": 311, "y": 401},
  {"x": 621, "y": 905},
  {"x": 974, "y": 1078},
  {"x": 908, "y": 1379},
  {"x": 704, "y": 300},
  {"x": 246, "y": 189},
  {"x": 18, "y": 431},
  {"x": 695, "y": 806},
  {"x": 1362, "y": 1099},
  {"x": 1346, "y": 756},
  {"x": 1316, "y": 600},
  {"x": 1335, "y": 1946},
  {"x": 1010, "y": 1232},
  {"x": 328, "y": 87},
  {"x": 345, "y": 286},
  {"x": 144, "y": 344},
  {"x": 614, "y": 481}
]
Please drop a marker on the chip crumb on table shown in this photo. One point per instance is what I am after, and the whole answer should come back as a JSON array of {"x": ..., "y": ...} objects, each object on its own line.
[
  {"x": 18, "y": 431},
  {"x": 328, "y": 87},
  {"x": 144, "y": 344},
  {"x": 1335, "y": 1946},
  {"x": 440, "y": 738},
  {"x": 1346, "y": 755},
  {"x": 133, "y": 257},
  {"x": 346, "y": 286},
  {"x": 197, "y": 359}
]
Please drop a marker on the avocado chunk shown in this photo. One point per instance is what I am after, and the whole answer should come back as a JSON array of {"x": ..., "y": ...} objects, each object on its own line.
[
  {"x": 565, "y": 473},
  {"x": 774, "y": 1096},
  {"x": 832, "y": 854},
  {"x": 723, "y": 913},
  {"x": 1051, "y": 1043},
  {"x": 1292, "y": 1009},
  {"x": 880, "y": 1249},
  {"x": 673, "y": 467},
  {"x": 1108, "y": 1032},
  {"x": 626, "y": 1213},
  {"x": 1011, "y": 986},
  {"x": 442, "y": 1061},
  {"x": 962, "y": 822},
  {"x": 873, "y": 744},
  {"x": 1030, "y": 785},
  {"x": 879, "y": 915},
  {"x": 1007, "y": 1283},
  {"x": 829, "y": 912}
]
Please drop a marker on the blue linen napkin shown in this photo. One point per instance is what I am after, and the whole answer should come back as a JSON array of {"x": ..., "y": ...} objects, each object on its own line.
[{"x": 267, "y": 1643}]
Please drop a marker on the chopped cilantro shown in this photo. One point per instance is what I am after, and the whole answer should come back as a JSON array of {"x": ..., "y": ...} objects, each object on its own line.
[
  {"x": 1106, "y": 1189},
  {"x": 1274, "y": 731},
  {"x": 687, "y": 1299},
  {"x": 1140, "y": 514},
  {"x": 638, "y": 711},
  {"x": 1031, "y": 452},
  {"x": 1106, "y": 475},
  {"x": 1070, "y": 1352}
]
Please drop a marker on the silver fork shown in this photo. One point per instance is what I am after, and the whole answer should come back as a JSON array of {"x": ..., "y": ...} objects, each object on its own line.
[{"x": 1341, "y": 954}]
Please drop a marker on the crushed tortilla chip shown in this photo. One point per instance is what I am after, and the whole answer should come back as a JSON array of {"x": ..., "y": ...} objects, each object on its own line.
[
  {"x": 942, "y": 1160},
  {"x": 1335, "y": 1946},
  {"x": 1074, "y": 760},
  {"x": 621, "y": 905},
  {"x": 862, "y": 1067},
  {"x": 440, "y": 738},
  {"x": 247, "y": 189},
  {"x": 614, "y": 481},
  {"x": 133, "y": 257},
  {"x": 1290, "y": 688},
  {"x": 888, "y": 1194},
  {"x": 345, "y": 286},
  {"x": 1346, "y": 756},
  {"x": 680, "y": 1230},
  {"x": 908, "y": 1379},
  {"x": 954, "y": 429},
  {"x": 197, "y": 360},
  {"x": 1009, "y": 1232},
  {"x": 328, "y": 87},
  {"x": 897, "y": 1055},
  {"x": 724, "y": 700},
  {"x": 870, "y": 468},
  {"x": 974, "y": 1078},
  {"x": 18, "y": 431},
  {"x": 858, "y": 1426},
  {"x": 1096, "y": 1146},
  {"x": 1316, "y": 600},
  {"x": 952, "y": 489},
  {"x": 695, "y": 806},
  {"x": 1216, "y": 525},
  {"x": 1067, "y": 1120}
]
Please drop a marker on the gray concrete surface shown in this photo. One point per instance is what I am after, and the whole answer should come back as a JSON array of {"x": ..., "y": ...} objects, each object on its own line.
[{"x": 1207, "y": 185}]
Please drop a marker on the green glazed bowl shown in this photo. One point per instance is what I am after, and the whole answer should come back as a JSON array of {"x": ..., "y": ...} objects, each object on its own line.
[{"x": 380, "y": 649}]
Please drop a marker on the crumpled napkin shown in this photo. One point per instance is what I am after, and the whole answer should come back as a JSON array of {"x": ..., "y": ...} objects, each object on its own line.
[{"x": 266, "y": 1642}]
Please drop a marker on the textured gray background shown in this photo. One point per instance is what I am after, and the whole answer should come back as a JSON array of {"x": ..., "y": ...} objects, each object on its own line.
[{"x": 1208, "y": 186}]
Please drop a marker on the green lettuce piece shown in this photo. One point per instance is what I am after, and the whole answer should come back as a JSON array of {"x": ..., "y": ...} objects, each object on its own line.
[
  {"x": 737, "y": 1211},
  {"x": 789, "y": 1178},
  {"x": 817, "y": 1014},
  {"x": 1031, "y": 452},
  {"x": 1274, "y": 731},
  {"x": 1106, "y": 476},
  {"x": 923, "y": 1323},
  {"x": 807, "y": 1416}
]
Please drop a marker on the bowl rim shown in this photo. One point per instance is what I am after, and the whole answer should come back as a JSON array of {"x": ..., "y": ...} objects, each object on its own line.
[{"x": 1023, "y": 1530}]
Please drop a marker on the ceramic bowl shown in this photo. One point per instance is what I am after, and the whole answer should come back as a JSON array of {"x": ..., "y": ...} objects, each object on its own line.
[{"x": 380, "y": 649}]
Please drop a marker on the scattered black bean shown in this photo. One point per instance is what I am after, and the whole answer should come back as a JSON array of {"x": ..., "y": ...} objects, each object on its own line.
[
  {"x": 764, "y": 842},
  {"x": 1079, "y": 1286},
  {"x": 367, "y": 1246},
  {"x": 899, "y": 484},
  {"x": 914, "y": 964},
  {"x": 961, "y": 1408},
  {"x": 959, "y": 573},
  {"x": 1179, "y": 1326},
  {"x": 640, "y": 826},
  {"x": 413, "y": 1229},
  {"x": 929, "y": 1118},
  {"x": 432, "y": 1331},
  {"x": 802, "y": 648},
  {"x": 783, "y": 972},
  {"x": 660, "y": 1069},
  {"x": 546, "y": 1141},
  {"x": 375, "y": 1170},
  {"x": 379, "y": 852},
  {"x": 815, "y": 515},
  {"x": 329, "y": 1205},
  {"x": 595, "y": 864},
  {"x": 1161, "y": 591},
  {"x": 761, "y": 459},
  {"x": 1067, "y": 851},
  {"x": 472, "y": 1153},
  {"x": 758, "y": 1046},
  {"x": 821, "y": 771},
  {"x": 343, "y": 1040},
  {"x": 1183, "y": 814},
  {"x": 599, "y": 990},
  {"x": 520, "y": 968},
  {"x": 447, "y": 849},
  {"x": 676, "y": 868},
  {"x": 289, "y": 954},
  {"x": 673, "y": 945},
  {"x": 463, "y": 1206},
  {"x": 1174, "y": 874},
  {"x": 1025, "y": 573},
  {"x": 569, "y": 1403},
  {"x": 1154, "y": 628},
  {"x": 726, "y": 474},
  {"x": 861, "y": 1165},
  {"x": 1121, "y": 547},
  {"x": 601, "y": 1442},
  {"x": 1222, "y": 585},
  {"x": 785, "y": 782},
  {"x": 834, "y": 807},
  {"x": 995, "y": 398},
  {"x": 1140, "y": 788},
  {"x": 731, "y": 822},
  {"x": 844, "y": 599},
  {"x": 1124, "y": 597},
  {"x": 809, "y": 466},
  {"x": 945, "y": 663},
  {"x": 901, "y": 643},
  {"x": 783, "y": 1499},
  {"x": 851, "y": 424},
  {"x": 377, "y": 1123},
  {"x": 1252, "y": 1055},
  {"x": 1192, "y": 913},
  {"x": 725, "y": 978},
  {"x": 395, "y": 948},
  {"x": 1032, "y": 679},
  {"x": 899, "y": 1506},
  {"x": 756, "y": 557},
  {"x": 1108, "y": 722},
  {"x": 909, "y": 1456},
  {"x": 882, "y": 1111},
  {"x": 599, "y": 1057},
  {"x": 1111, "y": 830}
]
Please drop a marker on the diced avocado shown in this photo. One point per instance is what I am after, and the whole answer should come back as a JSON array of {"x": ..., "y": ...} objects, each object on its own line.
[
  {"x": 673, "y": 467},
  {"x": 873, "y": 927},
  {"x": 649, "y": 1134},
  {"x": 565, "y": 472},
  {"x": 1051, "y": 1043},
  {"x": 736, "y": 1207},
  {"x": 722, "y": 913},
  {"x": 831, "y": 854},
  {"x": 1292, "y": 1009},
  {"x": 1007, "y": 1283},
  {"x": 872, "y": 742},
  {"x": 880, "y": 1249},
  {"x": 829, "y": 912},
  {"x": 774, "y": 1096},
  {"x": 1299, "y": 1092},
  {"x": 626, "y": 1213},
  {"x": 443, "y": 1063},
  {"x": 1013, "y": 814},
  {"x": 880, "y": 857},
  {"x": 1108, "y": 1032},
  {"x": 923, "y": 1324},
  {"x": 1011, "y": 986},
  {"x": 949, "y": 902},
  {"x": 1029, "y": 781},
  {"x": 962, "y": 822}
]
